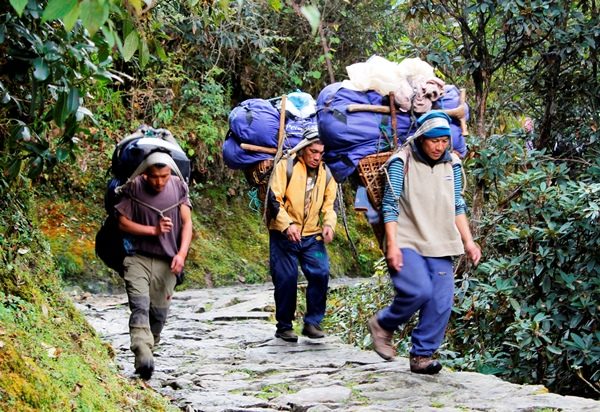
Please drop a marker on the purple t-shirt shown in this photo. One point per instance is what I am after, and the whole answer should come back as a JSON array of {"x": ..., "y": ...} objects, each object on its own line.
[{"x": 175, "y": 192}]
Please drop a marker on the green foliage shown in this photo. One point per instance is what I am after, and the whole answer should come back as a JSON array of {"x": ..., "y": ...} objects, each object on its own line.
[
  {"x": 41, "y": 119},
  {"x": 50, "y": 358},
  {"x": 530, "y": 310}
]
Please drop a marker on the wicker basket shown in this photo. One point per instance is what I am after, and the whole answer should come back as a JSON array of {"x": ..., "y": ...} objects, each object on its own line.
[
  {"x": 373, "y": 176},
  {"x": 258, "y": 175}
]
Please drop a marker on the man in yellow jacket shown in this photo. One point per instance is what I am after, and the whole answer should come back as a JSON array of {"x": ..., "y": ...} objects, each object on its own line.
[{"x": 301, "y": 220}]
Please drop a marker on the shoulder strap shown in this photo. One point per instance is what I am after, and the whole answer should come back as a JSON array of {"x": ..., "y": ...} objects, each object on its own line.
[
  {"x": 290, "y": 168},
  {"x": 157, "y": 210}
]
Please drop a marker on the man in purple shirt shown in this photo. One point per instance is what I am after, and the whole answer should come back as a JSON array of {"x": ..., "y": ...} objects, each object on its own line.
[{"x": 156, "y": 212}]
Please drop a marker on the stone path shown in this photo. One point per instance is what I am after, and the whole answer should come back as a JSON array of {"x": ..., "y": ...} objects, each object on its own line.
[{"x": 218, "y": 353}]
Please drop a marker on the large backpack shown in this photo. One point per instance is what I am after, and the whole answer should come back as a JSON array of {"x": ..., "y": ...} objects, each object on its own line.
[{"x": 112, "y": 245}]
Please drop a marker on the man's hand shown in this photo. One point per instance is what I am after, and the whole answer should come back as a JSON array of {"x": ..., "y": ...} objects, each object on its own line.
[
  {"x": 165, "y": 225},
  {"x": 177, "y": 264},
  {"x": 473, "y": 251},
  {"x": 327, "y": 234},
  {"x": 293, "y": 233},
  {"x": 393, "y": 257}
]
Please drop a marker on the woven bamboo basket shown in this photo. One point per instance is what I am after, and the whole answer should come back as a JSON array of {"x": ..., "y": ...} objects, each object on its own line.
[
  {"x": 369, "y": 167},
  {"x": 258, "y": 175},
  {"x": 372, "y": 176}
]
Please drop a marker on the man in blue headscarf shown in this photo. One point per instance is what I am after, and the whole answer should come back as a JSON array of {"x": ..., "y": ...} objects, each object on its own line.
[{"x": 425, "y": 221}]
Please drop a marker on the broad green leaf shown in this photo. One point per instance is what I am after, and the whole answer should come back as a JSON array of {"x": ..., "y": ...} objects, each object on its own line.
[
  {"x": 14, "y": 169},
  {"x": 312, "y": 14},
  {"x": 36, "y": 167},
  {"x": 71, "y": 18},
  {"x": 60, "y": 111},
  {"x": 72, "y": 103},
  {"x": 130, "y": 46},
  {"x": 94, "y": 14},
  {"x": 62, "y": 154},
  {"x": 19, "y": 5},
  {"x": 144, "y": 53},
  {"x": 57, "y": 9},
  {"x": 554, "y": 349},
  {"x": 41, "y": 70},
  {"x": 159, "y": 51},
  {"x": 109, "y": 36}
]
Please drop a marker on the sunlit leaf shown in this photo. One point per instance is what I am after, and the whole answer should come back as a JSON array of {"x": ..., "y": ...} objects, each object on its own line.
[
  {"x": 94, "y": 14},
  {"x": 144, "y": 53},
  {"x": 71, "y": 18},
  {"x": 554, "y": 349},
  {"x": 276, "y": 4},
  {"x": 72, "y": 100},
  {"x": 130, "y": 46},
  {"x": 19, "y": 5},
  {"x": 313, "y": 15},
  {"x": 57, "y": 9},
  {"x": 41, "y": 69},
  {"x": 109, "y": 36},
  {"x": 159, "y": 51},
  {"x": 137, "y": 5}
]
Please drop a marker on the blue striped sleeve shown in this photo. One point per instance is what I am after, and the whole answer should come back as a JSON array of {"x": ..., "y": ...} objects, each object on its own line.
[
  {"x": 460, "y": 206},
  {"x": 391, "y": 194}
]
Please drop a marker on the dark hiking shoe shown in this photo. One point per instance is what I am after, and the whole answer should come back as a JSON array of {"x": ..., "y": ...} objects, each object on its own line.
[
  {"x": 312, "y": 331},
  {"x": 144, "y": 362},
  {"x": 287, "y": 335},
  {"x": 424, "y": 365},
  {"x": 382, "y": 339}
]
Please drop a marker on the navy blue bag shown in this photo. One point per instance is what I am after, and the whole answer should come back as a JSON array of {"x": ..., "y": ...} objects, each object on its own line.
[
  {"x": 348, "y": 137},
  {"x": 237, "y": 158},
  {"x": 256, "y": 122},
  {"x": 451, "y": 100}
]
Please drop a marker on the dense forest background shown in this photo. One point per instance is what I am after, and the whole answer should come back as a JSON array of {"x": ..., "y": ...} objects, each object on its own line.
[{"x": 76, "y": 76}]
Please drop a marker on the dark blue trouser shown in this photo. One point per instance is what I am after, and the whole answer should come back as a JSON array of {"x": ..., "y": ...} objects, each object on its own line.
[
  {"x": 284, "y": 257},
  {"x": 424, "y": 284}
]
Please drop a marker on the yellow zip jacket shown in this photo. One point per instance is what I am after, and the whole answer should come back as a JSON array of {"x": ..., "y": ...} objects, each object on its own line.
[{"x": 286, "y": 200}]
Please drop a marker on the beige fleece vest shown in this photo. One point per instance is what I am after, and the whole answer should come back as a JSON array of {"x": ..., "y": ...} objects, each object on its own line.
[{"x": 426, "y": 222}]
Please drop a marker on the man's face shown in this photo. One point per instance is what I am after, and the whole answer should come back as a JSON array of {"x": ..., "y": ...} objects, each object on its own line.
[
  {"x": 435, "y": 148},
  {"x": 157, "y": 178},
  {"x": 311, "y": 155}
]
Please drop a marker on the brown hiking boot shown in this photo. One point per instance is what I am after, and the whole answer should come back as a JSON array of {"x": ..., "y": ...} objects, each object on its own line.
[
  {"x": 424, "y": 365},
  {"x": 382, "y": 339},
  {"x": 312, "y": 331},
  {"x": 287, "y": 335}
]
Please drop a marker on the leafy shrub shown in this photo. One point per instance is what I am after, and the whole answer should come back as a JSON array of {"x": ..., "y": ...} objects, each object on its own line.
[{"x": 530, "y": 311}]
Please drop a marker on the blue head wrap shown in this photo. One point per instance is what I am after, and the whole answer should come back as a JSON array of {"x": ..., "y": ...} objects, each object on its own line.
[{"x": 433, "y": 124}]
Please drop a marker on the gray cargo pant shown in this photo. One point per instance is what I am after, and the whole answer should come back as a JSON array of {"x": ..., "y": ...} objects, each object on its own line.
[{"x": 150, "y": 284}]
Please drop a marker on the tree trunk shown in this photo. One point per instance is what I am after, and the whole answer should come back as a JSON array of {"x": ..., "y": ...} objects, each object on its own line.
[{"x": 481, "y": 82}]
